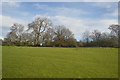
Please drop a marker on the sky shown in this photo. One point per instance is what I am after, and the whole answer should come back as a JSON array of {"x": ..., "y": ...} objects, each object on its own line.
[{"x": 77, "y": 16}]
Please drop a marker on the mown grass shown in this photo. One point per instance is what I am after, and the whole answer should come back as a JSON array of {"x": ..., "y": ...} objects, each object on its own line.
[{"x": 51, "y": 62}]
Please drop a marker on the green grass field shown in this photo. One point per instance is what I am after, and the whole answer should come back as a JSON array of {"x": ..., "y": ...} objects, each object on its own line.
[{"x": 48, "y": 62}]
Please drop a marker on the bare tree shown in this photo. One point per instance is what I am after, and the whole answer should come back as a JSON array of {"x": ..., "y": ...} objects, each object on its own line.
[
  {"x": 114, "y": 29},
  {"x": 16, "y": 32},
  {"x": 86, "y": 36},
  {"x": 115, "y": 34},
  {"x": 62, "y": 31},
  {"x": 28, "y": 39},
  {"x": 39, "y": 26},
  {"x": 63, "y": 36},
  {"x": 96, "y": 36},
  {"x": 48, "y": 37},
  {"x": 12, "y": 37}
]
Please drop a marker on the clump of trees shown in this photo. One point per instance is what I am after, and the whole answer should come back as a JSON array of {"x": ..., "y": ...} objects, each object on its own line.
[
  {"x": 102, "y": 39},
  {"x": 41, "y": 32}
]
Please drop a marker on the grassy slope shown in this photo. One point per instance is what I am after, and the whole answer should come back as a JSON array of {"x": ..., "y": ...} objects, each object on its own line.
[{"x": 37, "y": 62}]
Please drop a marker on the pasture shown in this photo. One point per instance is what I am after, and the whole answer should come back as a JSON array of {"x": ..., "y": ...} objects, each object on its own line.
[{"x": 52, "y": 62}]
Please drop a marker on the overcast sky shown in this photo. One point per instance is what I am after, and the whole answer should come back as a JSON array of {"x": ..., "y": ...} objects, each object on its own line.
[{"x": 77, "y": 16}]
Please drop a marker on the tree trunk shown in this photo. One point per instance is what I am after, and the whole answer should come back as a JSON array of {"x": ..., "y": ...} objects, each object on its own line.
[{"x": 38, "y": 42}]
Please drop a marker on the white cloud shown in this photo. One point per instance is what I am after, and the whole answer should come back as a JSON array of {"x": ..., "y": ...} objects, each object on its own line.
[
  {"x": 39, "y": 6},
  {"x": 107, "y": 22},
  {"x": 25, "y": 13},
  {"x": 40, "y": 15},
  {"x": 7, "y": 21},
  {"x": 69, "y": 11},
  {"x": 12, "y": 4},
  {"x": 61, "y": 11},
  {"x": 73, "y": 24},
  {"x": 106, "y": 5},
  {"x": 1, "y": 37},
  {"x": 14, "y": 8}
]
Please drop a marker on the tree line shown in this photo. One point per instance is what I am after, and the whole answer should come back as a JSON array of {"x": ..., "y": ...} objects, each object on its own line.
[
  {"x": 42, "y": 32},
  {"x": 102, "y": 39}
]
